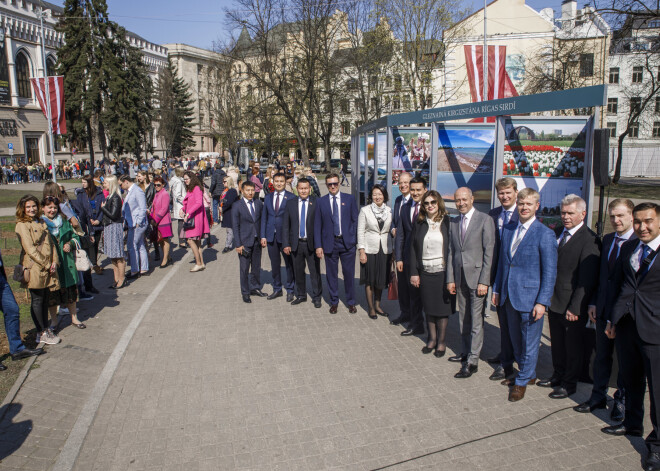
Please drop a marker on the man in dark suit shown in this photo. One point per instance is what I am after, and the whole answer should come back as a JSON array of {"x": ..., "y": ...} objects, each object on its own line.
[
  {"x": 636, "y": 325},
  {"x": 507, "y": 191},
  {"x": 471, "y": 243},
  {"x": 216, "y": 188},
  {"x": 298, "y": 241},
  {"x": 246, "y": 219},
  {"x": 402, "y": 242},
  {"x": 402, "y": 284},
  {"x": 526, "y": 272},
  {"x": 271, "y": 236},
  {"x": 335, "y": 236},
  {"x": 578, "y": 260},
  {"x": 600, "y": 310}
]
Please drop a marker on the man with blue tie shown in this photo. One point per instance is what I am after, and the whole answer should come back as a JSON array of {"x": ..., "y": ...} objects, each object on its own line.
[
  {"x": 507, "y": 191},
  {"x": 298, "y": 241},
  {"x": 526, "y": 273},
  {"x": 335, "y": 237},
  {"x": 636, "y": 326},
  {"x": 246, "y": 223},
  {"x": 271, "y": 237},
  {"x": 600, "y": 310}
]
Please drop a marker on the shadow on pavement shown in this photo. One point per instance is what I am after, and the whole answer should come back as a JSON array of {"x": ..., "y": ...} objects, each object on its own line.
[{"x": 12, "y": 434}]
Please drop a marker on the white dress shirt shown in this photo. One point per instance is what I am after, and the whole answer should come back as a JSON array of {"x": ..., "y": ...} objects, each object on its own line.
[
  {"x": 466, "y": 218},
  {"x": 275, "y": 196},
  {"x": 524, "y": 233}
]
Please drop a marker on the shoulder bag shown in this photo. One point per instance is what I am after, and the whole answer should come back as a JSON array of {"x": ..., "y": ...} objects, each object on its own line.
[{"x": 82, "y": 260}]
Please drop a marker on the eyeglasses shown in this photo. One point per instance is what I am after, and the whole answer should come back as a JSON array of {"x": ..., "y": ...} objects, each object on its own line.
[
  {"x": 157, "y": 185},
  {"x": 430, "y": 203},
  {"x": 332, "y": 184}
]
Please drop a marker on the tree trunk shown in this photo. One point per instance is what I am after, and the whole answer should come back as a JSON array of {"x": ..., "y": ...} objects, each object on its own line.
[
  {"x": 90, "y": 143},
  {"x": 326, "y": 151}
]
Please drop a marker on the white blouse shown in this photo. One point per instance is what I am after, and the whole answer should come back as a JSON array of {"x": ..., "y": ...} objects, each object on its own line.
[{"x": 433, "y": 248}]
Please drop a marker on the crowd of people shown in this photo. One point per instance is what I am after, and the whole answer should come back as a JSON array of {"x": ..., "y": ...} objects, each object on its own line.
[{"x": 595, "y": 294}]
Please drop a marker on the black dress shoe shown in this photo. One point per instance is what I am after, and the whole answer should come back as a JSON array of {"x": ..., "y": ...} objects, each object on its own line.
[
  {"x": 426, "y": 350},
  {"x": 457, "y": 358},
  {"x": 297, "y": 301},
  {"x": 398, "y": 321},
  {"x": 618, "y": 412},
  {"x": 289, "y": 297},
  {"x": 466, "y": 371},
  {"x": 439, "y": 353},
  {"x": 132, "y": 276},
  {"x": 652, "y": 462},
  {"x": 226, "y": 249},
  {"x": 498, "y": 374},
  {"x": 27, "y": 352},
  {"x": 416, "y": 331},
  {"x": 275, "y": 294},
  {"x": 258, "y": 292},
  {"x": 352, "y": 309},
  {"x": 620, "y": 430},
  {"x": 333, "y": 309},
  {"x": 560, "y": 393},
  {"x": 548, "y": 383},
  {"x": 2, "y": 367},
  {"x": 317, "y": 304},
  {"x": 246, "y": 298},
  {"x": 589, "y": 407}
]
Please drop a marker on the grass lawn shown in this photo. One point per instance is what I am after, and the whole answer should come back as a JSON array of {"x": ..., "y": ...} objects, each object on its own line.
[
  {"x": 9, "y": 198},
  {"x": 646, "y": 192}
]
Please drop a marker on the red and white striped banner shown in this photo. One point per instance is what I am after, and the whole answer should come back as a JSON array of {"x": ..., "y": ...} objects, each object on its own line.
[
  {"x": 499, "y": 82},
  {"x": 56, "y": 92}
]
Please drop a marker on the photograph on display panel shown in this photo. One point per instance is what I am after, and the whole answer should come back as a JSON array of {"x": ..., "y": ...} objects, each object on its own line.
[
  {"x": 547, "y": 155},
  {"x": 412, "y": 150},
  {"x": 466, "y": 155}
]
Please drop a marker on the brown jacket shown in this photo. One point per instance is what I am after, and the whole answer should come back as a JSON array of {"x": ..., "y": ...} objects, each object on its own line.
[{"x": 37, "y": 254}]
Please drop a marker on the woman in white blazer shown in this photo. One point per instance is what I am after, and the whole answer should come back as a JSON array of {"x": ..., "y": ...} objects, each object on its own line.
[{"x": 374, "y": 243}]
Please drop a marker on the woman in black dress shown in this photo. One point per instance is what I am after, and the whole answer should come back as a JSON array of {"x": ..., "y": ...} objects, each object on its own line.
[
  {"x": 428, "y": 253},
  {"x": 375, "y": 246}
]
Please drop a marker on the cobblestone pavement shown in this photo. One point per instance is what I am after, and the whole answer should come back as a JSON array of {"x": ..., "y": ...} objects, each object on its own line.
[{"x": 210, "y": 383}]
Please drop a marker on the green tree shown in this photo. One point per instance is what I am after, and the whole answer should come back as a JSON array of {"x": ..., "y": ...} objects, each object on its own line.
[{"x": 176, "y": 111}]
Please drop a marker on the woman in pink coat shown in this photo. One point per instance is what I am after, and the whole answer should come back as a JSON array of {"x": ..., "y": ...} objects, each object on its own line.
[
  {"x": 193, "y": 208},
  {"x": 161, "y": 220}
]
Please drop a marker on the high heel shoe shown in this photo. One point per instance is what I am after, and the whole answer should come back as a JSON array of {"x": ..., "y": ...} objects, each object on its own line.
[
  {"x": 167, "y": 264},
  {"x": 439, "y": 353},
  {"x": 426, "y": 350},
  {"x": 79, "y": 326},
  {"x": 123, "y": 283},
  {"x": 375, "y": 316}
]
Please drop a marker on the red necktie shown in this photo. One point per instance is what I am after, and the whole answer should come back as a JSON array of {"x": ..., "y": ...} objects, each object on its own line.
[
  {"x": 416, "y": 211},
  {"x": 277, "y": 202}
]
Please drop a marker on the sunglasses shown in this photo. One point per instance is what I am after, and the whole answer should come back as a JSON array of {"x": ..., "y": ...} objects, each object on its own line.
[
  {"x": 158, "y": 184},
  {"x": 332, "y": 184},
  {"x": 430, "y": 203},
  {"x": 53, "y": 199}
]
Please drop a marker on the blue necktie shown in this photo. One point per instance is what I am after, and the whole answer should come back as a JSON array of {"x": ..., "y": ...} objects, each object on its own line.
[
  {"x": 335, "y": 216},
  {"x": 646, "y": 250},
  {"x": 302, "y": 219},
  {"x": 252, "y": 209}
]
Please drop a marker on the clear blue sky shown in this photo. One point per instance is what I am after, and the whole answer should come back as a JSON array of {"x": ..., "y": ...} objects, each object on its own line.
[{"x": 200, "y": 22}]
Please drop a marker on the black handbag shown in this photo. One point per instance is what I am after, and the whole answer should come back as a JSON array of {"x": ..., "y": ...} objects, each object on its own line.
[{"x": 189, "y": 224}]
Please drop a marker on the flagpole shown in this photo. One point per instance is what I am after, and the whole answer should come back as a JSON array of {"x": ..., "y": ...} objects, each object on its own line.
[
  {"x": 49, "y": 116},
  {"x": 485, "y": 58}
]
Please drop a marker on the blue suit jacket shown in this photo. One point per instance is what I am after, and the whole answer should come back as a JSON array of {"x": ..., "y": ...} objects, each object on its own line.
[
  {"x": 528, "y": 278},
  {"x": 324, "y": 237},
  {"x": 246, "y": 229},
  {"x": 403, "y": 238},
  {"x": 271, "y": 222}
]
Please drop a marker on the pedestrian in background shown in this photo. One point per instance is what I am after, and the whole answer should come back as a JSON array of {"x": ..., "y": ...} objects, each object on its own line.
[
  {"x": 193, "y": 209},
  {"x": 227, "y": 199},
  {"x": 161, "y": 221},
  {"x": 113, "y": 231},
  {"x": 177, "y": 194},
  {"x": 134, "y": 212}
]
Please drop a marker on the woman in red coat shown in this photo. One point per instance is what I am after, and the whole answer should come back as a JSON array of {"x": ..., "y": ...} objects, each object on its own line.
[
  {"x": 160, "y": 219},
  {"x": 193, "y": 208}
]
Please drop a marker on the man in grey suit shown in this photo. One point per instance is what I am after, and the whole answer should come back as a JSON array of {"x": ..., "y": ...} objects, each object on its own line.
[{"x": 471, "y": 246}]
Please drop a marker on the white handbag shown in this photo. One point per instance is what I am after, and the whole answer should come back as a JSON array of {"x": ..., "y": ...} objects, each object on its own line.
[{"x": 82, "y": 260}]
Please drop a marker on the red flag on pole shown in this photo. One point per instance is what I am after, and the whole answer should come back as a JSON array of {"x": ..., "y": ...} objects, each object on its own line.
[
  {"x": 56, "y": 92},
  {"x": 499, "y": 82}
]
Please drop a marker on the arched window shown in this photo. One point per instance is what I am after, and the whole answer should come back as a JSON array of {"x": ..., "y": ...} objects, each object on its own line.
[
  {"x": 50, "y": 66},
  {"x": 23, "y": 76}
]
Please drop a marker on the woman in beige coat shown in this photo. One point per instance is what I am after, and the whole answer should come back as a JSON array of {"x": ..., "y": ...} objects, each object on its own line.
[{"x": 39, "y": 259}]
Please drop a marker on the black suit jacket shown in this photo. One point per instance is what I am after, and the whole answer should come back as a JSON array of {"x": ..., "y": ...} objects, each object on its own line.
[
  {"x": 403, "y": 232},
  {"x": 577, "y": 272},
  {"x": 605, "y": 295},
  {"x": 291, "y": 223},
  {"x": 396, "y": 211},
  {"x": 640, "y": 299},
  {"x": 246, "y": 229}
]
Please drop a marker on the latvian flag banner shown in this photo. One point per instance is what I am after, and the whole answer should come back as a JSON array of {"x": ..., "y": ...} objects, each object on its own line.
[
  {"x": 499, "y": 82},
  {"x": 56, "y": 92}
]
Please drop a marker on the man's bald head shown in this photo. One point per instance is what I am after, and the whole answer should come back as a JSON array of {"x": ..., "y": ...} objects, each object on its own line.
[{"x": 464, "y": 200}]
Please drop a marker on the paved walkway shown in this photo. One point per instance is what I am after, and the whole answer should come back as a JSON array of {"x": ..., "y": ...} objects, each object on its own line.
[{"x": 175, "y": 372}]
